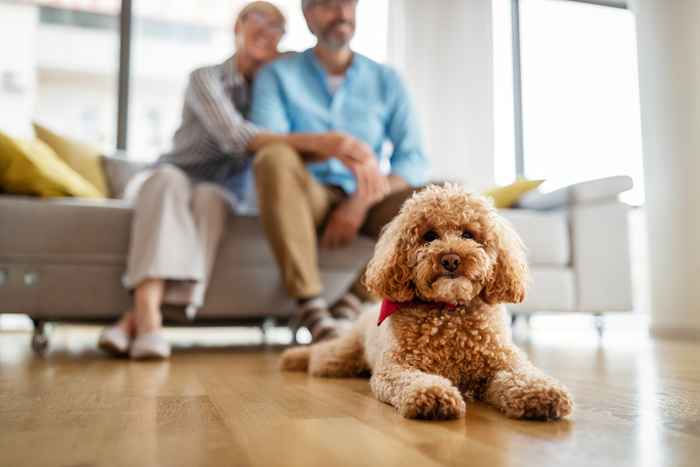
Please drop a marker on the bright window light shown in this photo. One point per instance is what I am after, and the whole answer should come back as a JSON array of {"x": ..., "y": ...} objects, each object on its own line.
[{"x": 581, "y": 110}]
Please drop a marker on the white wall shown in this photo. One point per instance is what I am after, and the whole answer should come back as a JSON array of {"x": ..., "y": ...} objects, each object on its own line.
[
  {"x": 669, "y": 50},
  {"x": 444, "y": 51}
]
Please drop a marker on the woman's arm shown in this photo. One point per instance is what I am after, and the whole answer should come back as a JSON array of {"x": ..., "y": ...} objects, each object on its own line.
[
  {"x": 353, "y": 153},
  {"x": 223, "y": 122},
  {"x": 309, "y": 145},
  {"x": 315, "y": 147}
]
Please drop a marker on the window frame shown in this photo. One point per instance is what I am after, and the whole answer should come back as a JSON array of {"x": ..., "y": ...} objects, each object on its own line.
[{"x": 124, "y": 74}]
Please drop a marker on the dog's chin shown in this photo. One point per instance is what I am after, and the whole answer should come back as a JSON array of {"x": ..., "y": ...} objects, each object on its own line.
[{"x": 449, "y": 289}]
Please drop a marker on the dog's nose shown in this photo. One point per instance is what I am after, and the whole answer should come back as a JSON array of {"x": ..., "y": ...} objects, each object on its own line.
[{"x": 450, "y": 262}]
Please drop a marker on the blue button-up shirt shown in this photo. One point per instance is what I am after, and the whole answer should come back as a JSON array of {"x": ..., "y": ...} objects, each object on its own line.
[{"x": 291, "y": 95}]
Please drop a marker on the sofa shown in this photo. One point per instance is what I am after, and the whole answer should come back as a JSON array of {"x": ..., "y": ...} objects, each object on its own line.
[
  {"x": 62, "y": 259},
  {"x": 578, "y": 249}
]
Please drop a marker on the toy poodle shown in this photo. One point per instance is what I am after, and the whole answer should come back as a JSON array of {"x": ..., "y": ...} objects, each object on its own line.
[{"x": 444, "y": 266}]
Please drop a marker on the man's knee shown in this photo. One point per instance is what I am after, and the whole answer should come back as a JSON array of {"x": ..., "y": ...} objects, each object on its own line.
[
  {"x": 383, "y": 212},
  {"x": 277, "y": 157}
]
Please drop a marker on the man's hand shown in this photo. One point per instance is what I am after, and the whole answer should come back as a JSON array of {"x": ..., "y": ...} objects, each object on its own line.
[
  {"x": 359, "y": 158},
  {"x": 344, "y": 222}
]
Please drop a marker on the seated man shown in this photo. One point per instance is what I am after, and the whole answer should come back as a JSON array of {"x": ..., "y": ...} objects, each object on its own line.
[{"x": 330, "y": 88}]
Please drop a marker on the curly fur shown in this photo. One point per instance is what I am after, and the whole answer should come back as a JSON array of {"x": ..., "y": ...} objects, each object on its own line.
[{"x": 427, "y": 359}]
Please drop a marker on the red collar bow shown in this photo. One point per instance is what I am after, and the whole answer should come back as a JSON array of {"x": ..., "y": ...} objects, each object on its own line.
[{"x": 389, "y": 307}]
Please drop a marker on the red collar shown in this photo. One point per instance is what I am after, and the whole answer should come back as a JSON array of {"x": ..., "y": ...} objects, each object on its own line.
[{"x": 389, "y": 307}]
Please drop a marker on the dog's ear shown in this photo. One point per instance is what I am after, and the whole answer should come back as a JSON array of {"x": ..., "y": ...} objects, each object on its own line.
[
  {"x": 388, "y": 274},
  {"x": 509, "y": 278}
]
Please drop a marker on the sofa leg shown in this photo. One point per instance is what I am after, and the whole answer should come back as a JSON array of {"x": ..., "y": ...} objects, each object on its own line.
[
  {"x": 40, "y": 337},
  {"x": 293, "y": 331},
  {"x": 265, "y": 328},
  {"x": 599, "y": 323}
]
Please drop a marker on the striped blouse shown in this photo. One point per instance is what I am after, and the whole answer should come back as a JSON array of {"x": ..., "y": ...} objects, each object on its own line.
[{"x": 211, "y": 142}]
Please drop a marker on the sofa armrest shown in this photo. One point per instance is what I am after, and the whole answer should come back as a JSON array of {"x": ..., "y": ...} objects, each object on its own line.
[
  {"x": 590, "y": 192},
  {"x": 600, "y": 243},
  {"x": 118, "y": 170}
]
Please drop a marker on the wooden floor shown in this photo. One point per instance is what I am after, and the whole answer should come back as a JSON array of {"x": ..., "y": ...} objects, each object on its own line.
[{"x": 637, "y": 405}]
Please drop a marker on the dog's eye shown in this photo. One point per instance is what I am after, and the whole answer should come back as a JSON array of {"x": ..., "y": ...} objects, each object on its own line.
[
  {"x": 468, "y": 235},
  {"x": 430, "y": 235}
]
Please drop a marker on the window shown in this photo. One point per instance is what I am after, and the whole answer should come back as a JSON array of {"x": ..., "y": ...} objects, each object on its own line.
[
  {"x": 580, "y": 95},
  {"x": 61, "y": 62},
  {"x": 59, "y": 66},
  {"x": 173, "y": 37},
  {"x": 170, "y": 39}
]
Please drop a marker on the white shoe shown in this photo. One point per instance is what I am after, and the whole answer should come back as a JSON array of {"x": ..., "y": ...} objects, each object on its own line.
[
  {"x": 114, "y": 340},
  {"x": 150, "y": 346}
]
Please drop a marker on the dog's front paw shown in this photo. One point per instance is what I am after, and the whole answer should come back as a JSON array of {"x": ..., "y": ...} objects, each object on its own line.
[
  {"x": 539, "y": 400},
  {"x": 434, "y": 398},
  {"x": 550, "y": 403}
]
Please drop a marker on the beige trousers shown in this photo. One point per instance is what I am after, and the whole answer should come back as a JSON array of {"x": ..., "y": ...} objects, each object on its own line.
[
  {"x": 176, "y": 229},
  {"x": 293, "y": 208}
]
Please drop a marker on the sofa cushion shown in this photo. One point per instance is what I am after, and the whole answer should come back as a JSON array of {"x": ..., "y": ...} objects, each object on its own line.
[
  {"x": 118, "y": 170},
  {"x": 81, "y": 157},
  {"x": 74, "y": 253},
  {"x": 68, "y": 230},
  {"x": 507, "y": 196},
  {"x": 97, "y": 231},
  {"x": 64, "y": 229},
  {"x": 545, "y": 234},
  {"x": 31, "y": 167},
  {"x": 551, "y": 289}
]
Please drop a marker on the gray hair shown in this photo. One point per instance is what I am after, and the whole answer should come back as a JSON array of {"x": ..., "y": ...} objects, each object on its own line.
[{"x": 307, "y": 3}]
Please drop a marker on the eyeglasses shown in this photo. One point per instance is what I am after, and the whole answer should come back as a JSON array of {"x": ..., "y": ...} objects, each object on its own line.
[
  {"x": 333, "y": 3},
  {"x": 263, "y": 21}
]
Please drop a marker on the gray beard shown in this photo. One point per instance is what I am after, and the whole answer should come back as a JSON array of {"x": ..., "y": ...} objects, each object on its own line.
[{"x": 333, "y": 44}]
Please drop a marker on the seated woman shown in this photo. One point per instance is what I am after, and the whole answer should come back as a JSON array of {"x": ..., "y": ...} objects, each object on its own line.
[{"x": 181, "y": 203}]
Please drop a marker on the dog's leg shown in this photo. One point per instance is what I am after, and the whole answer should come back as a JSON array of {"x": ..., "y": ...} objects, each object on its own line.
[
  {"x": 342, "y": 357},
  {"x": 417, "y": 394},
  {"x": 526, "y": 392},
  {"x": 336, "y": 358},
  {"x": 296, "y": 359}
]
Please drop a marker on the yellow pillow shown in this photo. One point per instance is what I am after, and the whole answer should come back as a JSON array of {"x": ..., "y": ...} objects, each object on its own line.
[
  {"x": 507, "y": 196},
  {"x": 30, "y": 167},
  {"x": 81, "y": 157}
]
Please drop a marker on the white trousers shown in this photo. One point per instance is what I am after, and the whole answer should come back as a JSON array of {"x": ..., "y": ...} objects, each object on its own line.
[{"x": 176, "y": 229}]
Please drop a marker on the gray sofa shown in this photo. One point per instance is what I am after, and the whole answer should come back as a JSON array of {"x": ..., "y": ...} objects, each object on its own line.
[{"x": 62, "y": 260}]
